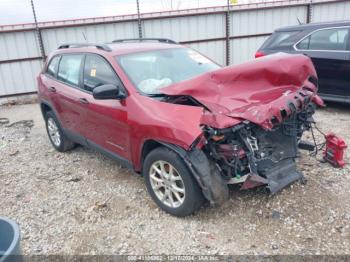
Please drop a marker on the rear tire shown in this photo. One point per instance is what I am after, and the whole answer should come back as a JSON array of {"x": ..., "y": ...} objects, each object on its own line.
[
  {"x": 55, "y": 132},
  {"x": 170, "y": 183}
]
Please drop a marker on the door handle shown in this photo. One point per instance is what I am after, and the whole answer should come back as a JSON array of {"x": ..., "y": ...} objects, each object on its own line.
[
  {"x": 52, "y": 89},
  {"x": 83, "y": 101}
]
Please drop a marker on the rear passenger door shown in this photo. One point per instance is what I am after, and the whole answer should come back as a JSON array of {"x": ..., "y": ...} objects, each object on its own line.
[
  {"x": 69, "y": 100},
  {"x": 50, "y": 82},
  {"x": 328, "y": 49},
  {"x": 105, "y": 124}
]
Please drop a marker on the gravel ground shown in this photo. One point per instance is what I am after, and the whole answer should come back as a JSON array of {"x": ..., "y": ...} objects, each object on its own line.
[{"x": 83, "y": 203}]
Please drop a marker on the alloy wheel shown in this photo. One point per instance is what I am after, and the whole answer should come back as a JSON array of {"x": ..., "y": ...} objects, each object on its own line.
[
  {"x": 167, "y": 184},
  {"x": 53, "y": 132}
]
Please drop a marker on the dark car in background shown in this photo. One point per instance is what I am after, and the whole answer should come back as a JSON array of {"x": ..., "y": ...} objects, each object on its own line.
[{"x": 327, "y": 44}]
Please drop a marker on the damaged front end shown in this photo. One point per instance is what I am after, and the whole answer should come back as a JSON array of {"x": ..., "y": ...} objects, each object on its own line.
[
  {"x": 254, "y": 156},
  {"x": 254, "y": 116}
]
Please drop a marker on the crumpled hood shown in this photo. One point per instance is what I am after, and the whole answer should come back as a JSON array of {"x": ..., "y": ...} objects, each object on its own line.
[{"x": 256, "y": 91}]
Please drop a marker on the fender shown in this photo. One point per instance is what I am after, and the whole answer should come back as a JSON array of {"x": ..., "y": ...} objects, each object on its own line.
[
  {"x": 214, "y": 188},
  {"x": 47, "y": 103},
  {"x": 68, "y": 133}
]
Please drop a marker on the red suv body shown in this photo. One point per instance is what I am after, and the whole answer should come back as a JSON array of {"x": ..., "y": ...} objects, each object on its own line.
[{"x": 189, "y": 126}]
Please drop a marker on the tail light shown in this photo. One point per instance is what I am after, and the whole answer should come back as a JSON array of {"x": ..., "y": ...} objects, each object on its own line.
[{"x": 259, "y": 54}]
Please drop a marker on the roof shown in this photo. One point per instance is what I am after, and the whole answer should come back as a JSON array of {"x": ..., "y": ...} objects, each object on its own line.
[
  {"x": 313, "y": 26},
  {"x": 123, "y": 48}
]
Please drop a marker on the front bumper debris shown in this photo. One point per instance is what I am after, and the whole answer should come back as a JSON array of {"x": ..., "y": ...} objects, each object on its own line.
[
  {"x": 250, "y": 155},
  {"x": 282, "y": 175}
]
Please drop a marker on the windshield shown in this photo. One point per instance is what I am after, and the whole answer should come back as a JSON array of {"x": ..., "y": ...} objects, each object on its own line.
[{"x": 154, "y": 70}]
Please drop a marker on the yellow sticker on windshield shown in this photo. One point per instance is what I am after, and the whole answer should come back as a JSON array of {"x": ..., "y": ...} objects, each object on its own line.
[{"x": 93, "y": 72}]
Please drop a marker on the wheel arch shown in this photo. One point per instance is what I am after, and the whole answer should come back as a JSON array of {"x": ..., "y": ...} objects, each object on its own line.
[
  {"x": 202, "y": 169},
  {"x": 147, "y": 147},
  {"x": 151, "y": 144},
  {"x": 45, "y": 107}
]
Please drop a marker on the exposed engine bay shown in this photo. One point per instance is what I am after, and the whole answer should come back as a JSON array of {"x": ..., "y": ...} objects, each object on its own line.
[{"x": 249, "y": 154}]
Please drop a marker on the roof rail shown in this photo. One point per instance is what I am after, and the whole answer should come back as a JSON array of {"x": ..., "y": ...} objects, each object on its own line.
[
  {"x": 161, "y": 40},
  {"x": 76, "y": 45}
]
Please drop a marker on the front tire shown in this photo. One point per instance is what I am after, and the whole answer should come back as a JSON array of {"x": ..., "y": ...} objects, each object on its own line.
[
  {"x": 55, "y": 132},
  {"x": 170, "y": 183}
]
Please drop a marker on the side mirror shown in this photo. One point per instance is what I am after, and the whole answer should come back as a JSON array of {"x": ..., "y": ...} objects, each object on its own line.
[{"x": 108, "y": 92}]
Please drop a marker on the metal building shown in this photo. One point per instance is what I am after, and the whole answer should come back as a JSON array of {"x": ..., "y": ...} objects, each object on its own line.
[{"x": 227, "y": 36}]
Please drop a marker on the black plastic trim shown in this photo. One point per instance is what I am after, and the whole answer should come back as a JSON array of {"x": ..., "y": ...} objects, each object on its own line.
[
  {"x": 75, "y": 137},
  {"x": 77, "y": 45},
  {"x": 160, "y": 40},
  {"x": 88, "y": 143},
  {"x": 122, "y": 161},
  {"x": 214, "y": 188}
]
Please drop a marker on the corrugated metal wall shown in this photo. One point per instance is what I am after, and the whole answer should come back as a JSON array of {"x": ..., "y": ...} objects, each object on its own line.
[
  {"x": 185, "y": 29},
  {"x": 18, "y": 45},
  {"x": 259, "y": 22},
  {"x": 52, "y": 38},
  {"x": 203, "y": 30},
  {"x": 214, "y": 49},
  {"x": 18, "y": 77},
  {"x": 331, "y": 12}
]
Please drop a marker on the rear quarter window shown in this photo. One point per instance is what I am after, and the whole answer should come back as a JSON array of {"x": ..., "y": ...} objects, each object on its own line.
[
  {"x": 52, "y": 67},
  {"x": 280, "y": 40}
]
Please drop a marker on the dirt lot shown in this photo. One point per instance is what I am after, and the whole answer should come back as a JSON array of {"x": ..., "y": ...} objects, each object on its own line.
[{"x": 83, "y": 203}]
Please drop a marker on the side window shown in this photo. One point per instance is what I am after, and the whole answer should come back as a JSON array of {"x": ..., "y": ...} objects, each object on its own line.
[
  {"x": 328, "y": 39},
  {"x": 280, "y": 40},
  {"x": 52, "y": 67},
  {"x": 305, "y": 44},
  {"x": 69, "y": 69},
  {"x": 98, "y": 72}
]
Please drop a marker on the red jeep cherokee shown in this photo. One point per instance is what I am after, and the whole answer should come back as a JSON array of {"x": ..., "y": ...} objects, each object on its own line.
[{"x": 189, "y": 126}]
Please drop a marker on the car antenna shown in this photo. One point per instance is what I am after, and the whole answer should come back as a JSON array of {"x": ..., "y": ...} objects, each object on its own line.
[
  {"x": 84, "y": 37},
  {"x": 299, "y": 21}
]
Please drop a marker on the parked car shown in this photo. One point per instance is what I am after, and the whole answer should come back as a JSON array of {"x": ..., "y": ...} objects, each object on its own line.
[
  {"x": 327, "y": 44},
  {"x": 187, "y": 125}
]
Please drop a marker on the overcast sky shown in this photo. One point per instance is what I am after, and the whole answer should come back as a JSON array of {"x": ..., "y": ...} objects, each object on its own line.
[{"x": 19, "y": 11}]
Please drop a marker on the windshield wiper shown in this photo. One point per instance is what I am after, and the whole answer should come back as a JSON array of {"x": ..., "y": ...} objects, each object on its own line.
[{"x": 155, "y": 95}]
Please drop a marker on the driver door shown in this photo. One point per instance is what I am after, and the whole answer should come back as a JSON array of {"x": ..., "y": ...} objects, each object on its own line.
[{"x": 106, "y": 120}]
